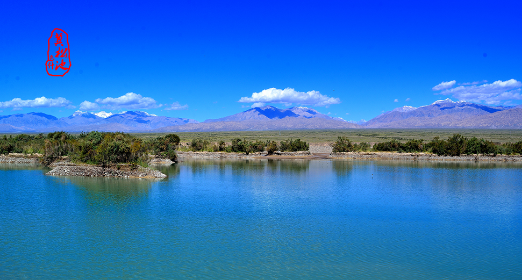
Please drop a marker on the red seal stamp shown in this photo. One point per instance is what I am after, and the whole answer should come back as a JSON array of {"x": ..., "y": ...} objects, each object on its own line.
[{"x": 58, "y": 55}]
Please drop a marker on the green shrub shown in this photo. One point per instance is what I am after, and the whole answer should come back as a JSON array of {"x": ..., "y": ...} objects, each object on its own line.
[
  {"x": 390, "y": 146},
  {"x": 199, "y": 144},
  {"x": 456, "y": 145},
  {"x": 473, "y": 146},
  {"x": 363, "y": 147},
  {"x": 343, "y": 144},
  {"x": 272, "y": 147},
  {"x": 293, "y": 145},
  {"x": 413, "y": 146}
]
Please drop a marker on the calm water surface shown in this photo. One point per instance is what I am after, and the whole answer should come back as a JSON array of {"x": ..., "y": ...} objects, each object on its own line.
[{"x": 266, "y": 219}]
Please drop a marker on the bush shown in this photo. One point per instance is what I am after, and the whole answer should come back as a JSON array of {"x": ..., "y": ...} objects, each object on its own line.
[
  {"x": 456, "y": 145},
  {"x": 343, "y": 144},
  {"x": 488, "y": 148},
  {"x": 512, "y": 148},
  {"x": 437, "y": 146},
  {"x": 258, "y": 146},
  {"x": 473, "y": 146},
  {"x": 164, "y": 146},
  {"x": 272, "y": 147},
  {"x": 237, "y": 145},
  {"x": 413, "y": 146},
  {"x": 293, "y": 146},
  {"x": 199, "y": 144},
  {"x": 390, "y": 146},
  {"x": 363, "y": 147},
  {"x": 221, "y": 146}
]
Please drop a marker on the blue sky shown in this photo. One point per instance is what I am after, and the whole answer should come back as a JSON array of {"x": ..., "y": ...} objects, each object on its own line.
[{"x": 196, "y": 59}]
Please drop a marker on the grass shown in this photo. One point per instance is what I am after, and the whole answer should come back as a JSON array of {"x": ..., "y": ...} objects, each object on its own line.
[{"x": 355, "y": 135}]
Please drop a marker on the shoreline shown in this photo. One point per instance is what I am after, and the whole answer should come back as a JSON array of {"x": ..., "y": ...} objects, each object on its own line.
[
  {"x": 66, "y": 168},
  {"x": 97, "y": 171},
  {"x": 351, "y": 156}
]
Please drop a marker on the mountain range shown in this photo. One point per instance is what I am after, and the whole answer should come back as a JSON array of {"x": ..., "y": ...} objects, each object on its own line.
[
  {"x": 449, "y": 114},
  {"x": 440, "y": 114}
]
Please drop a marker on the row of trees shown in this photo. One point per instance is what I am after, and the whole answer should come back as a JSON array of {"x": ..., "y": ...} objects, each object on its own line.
[
  {"x": 245, "y": 146},
  {"x": 455, "y": 145},
  {"x": 94, "y": 147}
]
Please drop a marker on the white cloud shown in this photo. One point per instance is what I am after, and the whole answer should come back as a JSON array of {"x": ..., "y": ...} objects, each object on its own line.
[
  {"x": 89, "y": 106},
  {"x": 18, "y": 103},
  {"x": 257, "y": 104},
  {"x": 104, "y": 114},
  {"x": 130, "y": 100},
  {"x": 288, "y": 96},
  {"x": 444, "y": 85},
  {"x": 395, "y": 100},
  {"x": 473, "y": 83},
  {"x": 493, "y": 93},
  {"x": 408, "y": 99},
  {"x": 177, "y": 106}
]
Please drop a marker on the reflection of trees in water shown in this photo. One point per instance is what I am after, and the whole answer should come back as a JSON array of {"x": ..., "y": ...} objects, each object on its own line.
[
  {"x": 172, "y": 170},
  {"x": 448, "y": 164},
  {"x": 342, "y": 167},
  {"x": 242, "y": 167},
  {"x": 288, "y": 166},
  {"x": 14, "y": 166},
  {"x": 112, "y": 191}
]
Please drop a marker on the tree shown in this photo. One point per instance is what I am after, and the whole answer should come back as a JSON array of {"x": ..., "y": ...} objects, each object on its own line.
[
  {"x": 456, "y": 145},
  {"x": 343, "y": 144}
]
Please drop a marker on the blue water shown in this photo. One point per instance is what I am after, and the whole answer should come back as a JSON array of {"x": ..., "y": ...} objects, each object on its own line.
[{"x": 265, "y": 220}]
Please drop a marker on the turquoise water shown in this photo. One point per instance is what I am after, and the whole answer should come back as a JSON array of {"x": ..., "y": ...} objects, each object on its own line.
[{"x": 265, "y": 220}]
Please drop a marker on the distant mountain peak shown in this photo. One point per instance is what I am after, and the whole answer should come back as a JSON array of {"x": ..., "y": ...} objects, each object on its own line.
[
  {"x": 49, "y": 117},
  {"x": 137, "y": 113},
  {"x": 104, "y": 114},
  {"x": 447, "y": 113},
  {"x": 78, "y": 113},
  {"x": 266, "y": 107},
  {"x": 404, "y": 109},
  {"x": 101, "y": 114},
  {"x": 447, "y": 100}
]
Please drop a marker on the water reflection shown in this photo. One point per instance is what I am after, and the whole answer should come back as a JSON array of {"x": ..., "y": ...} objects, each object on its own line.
[
  {"x": 235, "y": 219},
  {"x": 171, "y": 171},
  {"x": 109, "y": 191},
  {"x": 14, "y": 166}
]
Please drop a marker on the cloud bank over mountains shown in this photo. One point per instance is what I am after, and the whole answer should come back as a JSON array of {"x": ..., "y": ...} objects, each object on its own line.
[
  {"x": 440, "y": 114},
  {"x": 498, "y": 92},
  {"x": 39, "y": 102},
  {"x": 289, "y": 96}
]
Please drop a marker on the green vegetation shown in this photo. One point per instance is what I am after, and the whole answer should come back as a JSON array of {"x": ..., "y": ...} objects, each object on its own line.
[
  {"x": 455, "y": 145},
  {"x": 245, "y": 146},
  {"x": 95, "y": 147},
  {"x": 355, "y": 135},
  {"x": 107, "y": 148}
]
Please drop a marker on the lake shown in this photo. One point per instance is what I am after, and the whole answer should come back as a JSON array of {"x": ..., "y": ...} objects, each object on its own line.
[{"x": 266, "y": 219}]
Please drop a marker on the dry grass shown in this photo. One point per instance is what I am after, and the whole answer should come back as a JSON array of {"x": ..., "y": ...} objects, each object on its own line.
[{"x": 355, "y": 135}]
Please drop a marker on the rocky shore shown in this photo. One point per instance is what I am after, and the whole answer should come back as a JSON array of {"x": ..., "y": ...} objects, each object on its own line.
[
  {"x": 66, "y": 168},
  {"x": 19, "y": 159}
]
